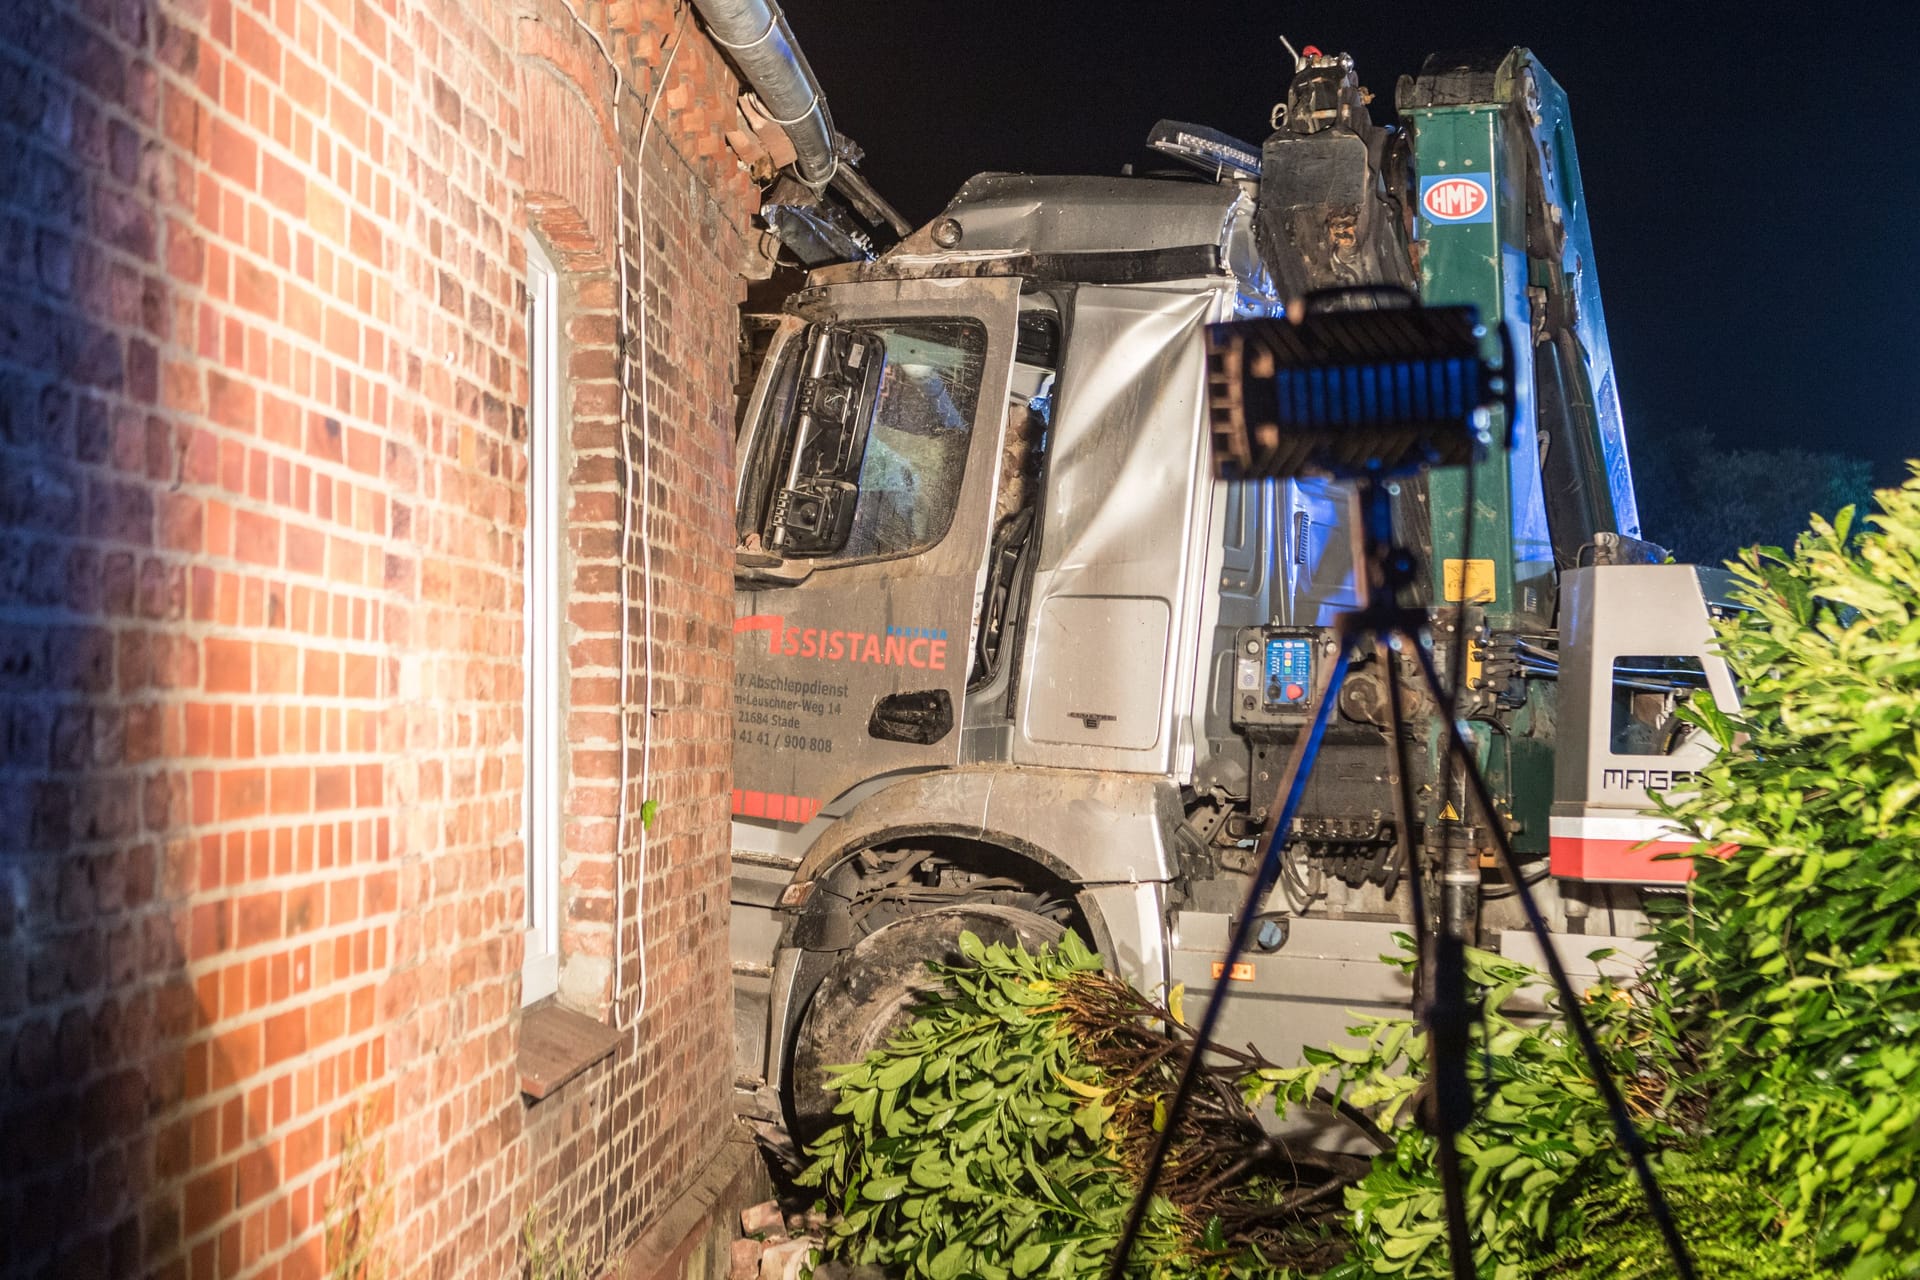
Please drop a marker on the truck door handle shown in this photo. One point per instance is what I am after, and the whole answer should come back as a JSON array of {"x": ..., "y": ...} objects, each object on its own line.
[{"x": 922, "y": 717}]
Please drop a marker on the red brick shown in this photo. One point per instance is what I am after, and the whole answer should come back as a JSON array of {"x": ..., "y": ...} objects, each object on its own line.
[
  {"x": 234, "y": 153},
  {"x": 327, "y": 1019},
  {"x": 257, "y": 919},
  {"x": 255, "y": 289},
  {"x": 209, "y": 1198},
  {"x": 286, "y": 1036},
  {"x": 322, "y": 676},
  {"x": 182, "y": 522},
  {"x": 256, "y": 538},
  {"x": 362, "y": 676},
  {"x": 305, "y": 910},
  {"x": 333, "y": 787},
  {"x": 242, "y": 794},
  {"x": 290, "y": 790},
  {"x": 343, "y": 902},
  {"x": 277, "y": 667},
  {"x": 229, "y": 665},
  {"x": 306, "y": 549},
  {"x": 256, "y": 45}
]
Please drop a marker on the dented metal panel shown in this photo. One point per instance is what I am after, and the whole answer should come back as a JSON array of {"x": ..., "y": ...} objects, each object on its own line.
[
  {"x": 1121, "y": 537},
  {"x": 1105, "y": 831},
  {"x": 1022, "y": 213},
  {"x": 1085, "y": 826},
  {"x": 1084, "y": 230}
]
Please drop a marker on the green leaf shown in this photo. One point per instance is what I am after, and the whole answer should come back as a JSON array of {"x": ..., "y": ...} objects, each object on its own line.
[
  {"x": 1092, "y": 1119},
  {"x": 883, "y": 1188},
  {"x": 1029, "y": 1257},
  {"x": 930, "y": 1170},
  {"x": 949, "y": 1262},
  {"x": 1504, "y": 1043},
  {"x": 1407, "y": 1246},
  {"x": 897, "y": 1072}
]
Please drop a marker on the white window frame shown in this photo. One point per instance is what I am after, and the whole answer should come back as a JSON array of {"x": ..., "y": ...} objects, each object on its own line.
[{"x": 545, "y": 651}]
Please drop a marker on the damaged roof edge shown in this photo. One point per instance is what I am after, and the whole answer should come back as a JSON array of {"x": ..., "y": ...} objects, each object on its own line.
[
  {"x": 1086, "y": 228},
  {"x": 1046, "y": 214}
]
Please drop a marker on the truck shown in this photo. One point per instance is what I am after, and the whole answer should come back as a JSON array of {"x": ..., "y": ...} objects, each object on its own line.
[{"x": 1010, "y": 658}]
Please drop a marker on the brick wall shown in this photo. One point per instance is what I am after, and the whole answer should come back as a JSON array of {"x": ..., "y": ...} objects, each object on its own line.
[{"x": 262, "y": 486}]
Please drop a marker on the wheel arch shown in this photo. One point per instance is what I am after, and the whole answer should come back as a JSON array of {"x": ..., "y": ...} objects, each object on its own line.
[
  {"x": 1081, "y": 826},
  {"x": 1098, "y": 835},
  {"x": 1043, "y": 869}
]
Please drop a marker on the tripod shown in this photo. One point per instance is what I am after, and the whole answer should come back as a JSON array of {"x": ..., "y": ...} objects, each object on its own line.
[{"x": 1386, "y": 568}]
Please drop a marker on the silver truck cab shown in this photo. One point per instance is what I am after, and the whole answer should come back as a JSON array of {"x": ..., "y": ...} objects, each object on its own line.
[{"x": 1010, "y": 659}]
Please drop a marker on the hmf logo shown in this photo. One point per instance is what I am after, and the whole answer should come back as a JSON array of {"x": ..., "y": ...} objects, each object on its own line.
[{"x": 1456, "y": 199}]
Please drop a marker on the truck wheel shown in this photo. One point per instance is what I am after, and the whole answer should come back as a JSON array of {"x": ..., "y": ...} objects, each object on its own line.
[{"x": 871, "y": 992}]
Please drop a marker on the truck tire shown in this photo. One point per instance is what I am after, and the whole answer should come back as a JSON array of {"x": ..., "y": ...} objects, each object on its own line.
[{"x": 871, "y": 992}]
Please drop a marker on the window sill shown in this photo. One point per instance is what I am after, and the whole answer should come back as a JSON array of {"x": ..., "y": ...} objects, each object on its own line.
[{"x": 558, "y": 1044}]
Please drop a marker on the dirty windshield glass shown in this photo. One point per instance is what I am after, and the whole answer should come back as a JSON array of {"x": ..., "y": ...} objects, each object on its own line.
[{"x": 916, "y": 448}]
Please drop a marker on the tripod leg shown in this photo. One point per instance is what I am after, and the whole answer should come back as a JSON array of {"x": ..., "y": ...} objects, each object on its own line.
[
  {"x": 1402, "y": 791},
  {"x": 1441, "y": 988},
  {"x": 1628, "y": 1136},
  {"x": 1449, "y": 1024},
  {"x": 1293, "y": 786}
]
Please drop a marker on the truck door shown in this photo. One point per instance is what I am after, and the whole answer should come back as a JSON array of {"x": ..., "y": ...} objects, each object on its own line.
[{"x": 867, "y": 478}]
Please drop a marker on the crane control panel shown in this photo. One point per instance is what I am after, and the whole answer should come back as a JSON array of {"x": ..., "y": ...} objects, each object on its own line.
[{"x": 1274, "y": 675}]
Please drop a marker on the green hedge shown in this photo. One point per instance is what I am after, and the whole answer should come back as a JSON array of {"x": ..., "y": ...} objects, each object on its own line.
[{"x": 1797, "y": 963}]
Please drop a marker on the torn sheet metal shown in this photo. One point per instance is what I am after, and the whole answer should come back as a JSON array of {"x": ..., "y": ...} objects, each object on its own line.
[{"x": 1113, "y": 639}]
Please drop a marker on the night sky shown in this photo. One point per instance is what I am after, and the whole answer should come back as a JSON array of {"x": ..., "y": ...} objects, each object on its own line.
[{"x": 1752, "y": 184}]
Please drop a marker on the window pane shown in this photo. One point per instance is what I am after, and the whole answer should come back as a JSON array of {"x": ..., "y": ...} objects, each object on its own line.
[
  {"x": 1647, "y": 692},
  {"x": 863, "y": 439},
  {"x": 544, "y": 650},
  {"x": 916, "y": 452}
]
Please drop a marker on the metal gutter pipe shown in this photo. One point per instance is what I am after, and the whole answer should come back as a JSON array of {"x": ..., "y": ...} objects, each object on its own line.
[{"x": 756, "y": 35}]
